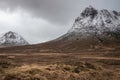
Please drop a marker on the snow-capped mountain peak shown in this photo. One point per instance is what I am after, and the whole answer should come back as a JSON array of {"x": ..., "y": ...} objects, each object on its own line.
[
  {"x": 98, "y": 19},
  {"x": 12, "y": 39},
  {"x": 11, "y": 35},
  {"x": 93, "y": 23}
]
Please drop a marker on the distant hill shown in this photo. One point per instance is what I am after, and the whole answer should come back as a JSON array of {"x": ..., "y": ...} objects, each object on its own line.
[{"x": 12, "y": 39}]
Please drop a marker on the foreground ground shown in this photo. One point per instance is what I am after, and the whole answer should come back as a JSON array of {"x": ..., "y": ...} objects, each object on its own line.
[{"x": 90, "y": 65}]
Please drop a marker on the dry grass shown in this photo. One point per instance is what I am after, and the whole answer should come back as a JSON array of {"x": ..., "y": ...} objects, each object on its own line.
[
  {"x": 59, "y": 71},
  {"x": 59, "y": 66}
]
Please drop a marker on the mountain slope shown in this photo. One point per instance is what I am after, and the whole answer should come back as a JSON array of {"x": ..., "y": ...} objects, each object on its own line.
[
  {"x": 102, "y": 26},
  {"x": 12, "y": 39}
]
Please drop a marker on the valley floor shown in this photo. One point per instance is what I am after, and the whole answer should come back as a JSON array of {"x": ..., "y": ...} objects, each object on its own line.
[{"x": 60, "y": 66}]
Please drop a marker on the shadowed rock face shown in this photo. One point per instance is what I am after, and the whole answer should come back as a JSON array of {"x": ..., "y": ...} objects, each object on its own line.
[
  {"x": 89, "y": 11},
  {"x": 10, "y": 35},
  {"x": 12, "y": 39}
]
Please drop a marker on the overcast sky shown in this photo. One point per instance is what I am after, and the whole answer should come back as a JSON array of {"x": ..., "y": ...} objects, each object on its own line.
[{"x": 42, "y": 20}]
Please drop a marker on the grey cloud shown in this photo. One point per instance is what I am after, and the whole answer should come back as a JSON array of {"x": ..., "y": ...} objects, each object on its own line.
[
  {"x": 53, "y": 10},
  {"x": 57, "y": 11}
]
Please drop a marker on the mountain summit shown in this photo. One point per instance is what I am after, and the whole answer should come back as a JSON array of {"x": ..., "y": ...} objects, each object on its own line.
[
  {"x": 12, "y": 39},
  {"x": 92, "y": 28},
  {"x": 100, "y": 25}
]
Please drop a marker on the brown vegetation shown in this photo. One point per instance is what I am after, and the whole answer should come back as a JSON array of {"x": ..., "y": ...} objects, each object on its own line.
[
  {"x": 59, "y": 66},
  {"x": 71, "y": 61}
]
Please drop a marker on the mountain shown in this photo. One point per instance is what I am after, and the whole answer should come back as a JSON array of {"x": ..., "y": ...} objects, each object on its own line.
[
  {"x": 12, "y": 39},
  {"x": 94, "y": 26},
  {"x": 92, "y": 30}
]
